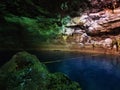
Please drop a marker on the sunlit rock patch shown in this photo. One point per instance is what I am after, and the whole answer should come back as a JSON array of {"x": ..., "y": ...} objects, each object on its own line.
[
  {"x": 87, "y": 27},
  {"x": 103, "y": 21}
]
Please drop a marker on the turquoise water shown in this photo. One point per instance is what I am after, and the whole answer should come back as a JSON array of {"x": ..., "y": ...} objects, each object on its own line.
[{"x": 91, "y": 71}]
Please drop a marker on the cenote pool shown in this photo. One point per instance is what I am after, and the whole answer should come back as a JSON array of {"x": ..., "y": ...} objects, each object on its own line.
[{"x": 91, "y": 71}]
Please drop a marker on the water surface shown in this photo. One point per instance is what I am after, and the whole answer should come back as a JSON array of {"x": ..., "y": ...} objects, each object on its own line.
[{"x": 91, "y": 71}]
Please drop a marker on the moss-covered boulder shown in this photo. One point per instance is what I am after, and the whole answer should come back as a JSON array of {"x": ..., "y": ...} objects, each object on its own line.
[{"x": 25, "y": 72}]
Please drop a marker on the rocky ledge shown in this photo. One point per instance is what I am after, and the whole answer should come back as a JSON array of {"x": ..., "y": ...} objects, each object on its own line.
[{"x": 100, "y": 23}]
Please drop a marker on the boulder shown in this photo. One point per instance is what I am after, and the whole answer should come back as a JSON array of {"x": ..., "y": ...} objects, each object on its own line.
[{"x": 25, "y": 72}]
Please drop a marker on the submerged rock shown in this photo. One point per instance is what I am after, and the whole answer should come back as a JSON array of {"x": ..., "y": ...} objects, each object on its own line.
[{"x": 25, "y": 72}]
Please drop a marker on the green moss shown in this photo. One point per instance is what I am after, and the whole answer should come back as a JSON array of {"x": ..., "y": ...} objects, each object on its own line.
[
  {"x": 27, "y": 24},
  {"x": 25, "y": 72},
  {"x": 24, "y": 32}
]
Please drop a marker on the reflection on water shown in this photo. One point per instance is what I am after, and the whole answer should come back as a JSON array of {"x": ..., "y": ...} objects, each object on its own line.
[{"x": 93, "y": 72}]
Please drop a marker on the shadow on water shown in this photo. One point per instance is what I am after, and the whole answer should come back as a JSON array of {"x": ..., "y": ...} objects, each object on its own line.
[{"x": 93, "y": 72}]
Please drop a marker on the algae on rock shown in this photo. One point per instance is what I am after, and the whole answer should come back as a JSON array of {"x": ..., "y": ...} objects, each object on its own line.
[{"x": 25, "y": 72}]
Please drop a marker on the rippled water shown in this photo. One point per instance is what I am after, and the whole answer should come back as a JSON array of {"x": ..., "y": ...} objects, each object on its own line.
[{"x": 92, "y": 71}]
